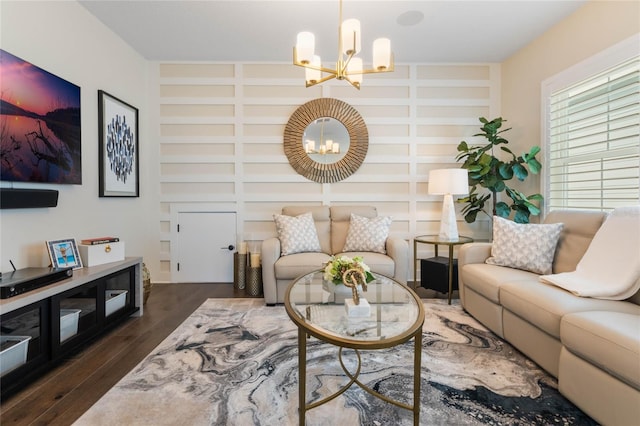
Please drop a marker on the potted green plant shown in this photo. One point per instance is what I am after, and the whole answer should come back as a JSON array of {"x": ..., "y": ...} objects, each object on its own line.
[{"x": 490, "y": 172}]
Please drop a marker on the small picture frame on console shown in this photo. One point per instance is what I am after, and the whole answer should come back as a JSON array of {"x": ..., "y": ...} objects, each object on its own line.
[{"x": 64, "y": 253}]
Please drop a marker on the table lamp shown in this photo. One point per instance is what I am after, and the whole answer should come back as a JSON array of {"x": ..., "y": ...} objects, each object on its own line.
[{"x": 448, "y": 182}]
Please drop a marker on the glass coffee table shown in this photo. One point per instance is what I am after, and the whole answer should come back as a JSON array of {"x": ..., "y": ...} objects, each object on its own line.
[{"x": 396, "y": 316}]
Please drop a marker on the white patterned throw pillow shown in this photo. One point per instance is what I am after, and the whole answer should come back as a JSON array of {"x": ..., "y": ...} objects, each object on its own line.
[
  {"x": 526, "y": 246},
  {"x": 367, "y": 234},
  {"x": 297, "y": 234}
]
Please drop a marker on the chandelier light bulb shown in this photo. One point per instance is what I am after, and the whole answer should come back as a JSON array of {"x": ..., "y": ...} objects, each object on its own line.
[
  {"x": 381, "y": 53},
  {"x": 313, "y": 76},
  {"x": 354, "y": 70},
  {"x": 351, "y": 44},
  {"x": 305, "y": 45}
]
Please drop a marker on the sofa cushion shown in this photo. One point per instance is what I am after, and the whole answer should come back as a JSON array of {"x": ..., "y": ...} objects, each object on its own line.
[
  {"x": 486, "y": 280},
  {"x": 526, "y": 246},
  {"x": 367, "y": 234},
  {"x": 579, "y": 228},
  {"x": 606, "y": 339},
  {"x": 340, "y": 220},
  {"x": 320, "y": 219},
  {"x": 377, "y": 262},
  {"x": 544, "y": 305},
  {"x": 292, "y": 266},
  {"x": 297, "y": 234}
]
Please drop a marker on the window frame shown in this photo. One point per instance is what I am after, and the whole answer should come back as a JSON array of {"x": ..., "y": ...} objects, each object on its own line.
[{"x": 596, "y": 64}]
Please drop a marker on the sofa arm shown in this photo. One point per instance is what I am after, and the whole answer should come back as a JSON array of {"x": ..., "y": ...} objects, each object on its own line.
[
  {"x": 270, "y": 253},
  {"x": 398, "y": 250},
  {"x": 467, "y": 254},
  {"x": 473, "y": 253}
]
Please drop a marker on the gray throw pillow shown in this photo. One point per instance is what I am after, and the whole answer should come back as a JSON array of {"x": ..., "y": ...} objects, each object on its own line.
[
  {"x": 526, "y": 246},
  {"x": 297, "y": 234},
  {"x": 367, "y": 234}
]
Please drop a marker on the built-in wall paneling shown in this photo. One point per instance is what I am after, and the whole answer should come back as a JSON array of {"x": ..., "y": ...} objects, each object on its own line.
[{"x": 221, "y": 142}]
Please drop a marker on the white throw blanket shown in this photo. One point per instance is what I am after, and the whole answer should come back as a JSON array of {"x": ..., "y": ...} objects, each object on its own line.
[{"x": 610, "y": 268}]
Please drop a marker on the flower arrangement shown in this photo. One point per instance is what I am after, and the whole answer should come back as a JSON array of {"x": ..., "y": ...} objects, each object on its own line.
[{"x": 336, "y": 266}]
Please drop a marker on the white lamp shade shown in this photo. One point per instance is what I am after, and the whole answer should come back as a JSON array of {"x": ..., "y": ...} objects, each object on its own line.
[
  {"x": 381, "y": 53},
  {"x": 354, "y": 70},
  {"x": 349, "y": 27},
  {"x": 449, "y": 181},
  {"x": 311, "y": 75},
  {"x": 305, "y": 46}
]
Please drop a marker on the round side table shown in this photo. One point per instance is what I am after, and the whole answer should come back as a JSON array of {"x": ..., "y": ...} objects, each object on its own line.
[{"x": 436, "y": 240}]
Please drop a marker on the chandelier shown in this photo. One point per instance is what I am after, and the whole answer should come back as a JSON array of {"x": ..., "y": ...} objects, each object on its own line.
[{"x": 348, "y": 66}]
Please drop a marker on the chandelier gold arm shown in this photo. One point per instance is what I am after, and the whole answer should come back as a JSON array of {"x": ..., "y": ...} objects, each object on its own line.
[{"x": 340, "y": 72}]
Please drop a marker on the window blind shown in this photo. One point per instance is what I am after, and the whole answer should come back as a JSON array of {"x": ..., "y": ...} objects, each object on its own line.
[{"x": 594, "y": 141}]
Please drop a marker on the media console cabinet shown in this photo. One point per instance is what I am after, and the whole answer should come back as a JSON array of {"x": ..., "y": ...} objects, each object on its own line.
[{"x": 41, "y": 327}]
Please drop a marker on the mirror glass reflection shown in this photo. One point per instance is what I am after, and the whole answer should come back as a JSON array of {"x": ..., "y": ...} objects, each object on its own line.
[{"x": 326, "y": 140}]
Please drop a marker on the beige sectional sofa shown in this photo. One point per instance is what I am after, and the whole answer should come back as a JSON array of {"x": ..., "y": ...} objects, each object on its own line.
[
  {"x": 332, "y": 226},
  {"x": 591, "y": 345}
]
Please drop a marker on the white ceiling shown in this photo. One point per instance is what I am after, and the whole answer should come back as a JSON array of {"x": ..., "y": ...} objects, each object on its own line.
[{"x": 262, "y": 30}]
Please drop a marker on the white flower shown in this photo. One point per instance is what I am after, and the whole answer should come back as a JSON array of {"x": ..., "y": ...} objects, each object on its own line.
[{"x": 337, "y": 266}]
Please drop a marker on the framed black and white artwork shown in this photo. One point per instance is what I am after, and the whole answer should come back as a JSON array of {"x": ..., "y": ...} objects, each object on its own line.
[{"x": 118, "y": 147}]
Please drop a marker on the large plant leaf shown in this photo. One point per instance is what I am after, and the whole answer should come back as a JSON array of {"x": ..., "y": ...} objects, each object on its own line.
[
  {"x": 490, "y": 181},
  {"x": 520, "y": 172},
  {"x": 485, "y": 159},
  {"x": 534, "y": 151},
  {"x": 502, "y": 209},
  {"x": 505, "y": 149},
  {"x": 499, "y": 186},
  {"x": 521, "y": 216},
  {"x": 471, "y": 216},
  {"x": 534, "y": 166},
  {"x": 506, "y": 171},
  {"x": 533, "y": 209}
]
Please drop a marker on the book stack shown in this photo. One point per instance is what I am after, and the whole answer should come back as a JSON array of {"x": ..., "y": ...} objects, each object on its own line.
[{"x": 99, "y": 240}]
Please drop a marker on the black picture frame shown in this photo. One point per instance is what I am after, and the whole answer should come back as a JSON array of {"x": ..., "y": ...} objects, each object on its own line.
[{"x": 118, "y": 147}]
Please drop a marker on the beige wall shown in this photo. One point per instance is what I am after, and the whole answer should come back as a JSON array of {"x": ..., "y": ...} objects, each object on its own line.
[
  {"x": 65, "y": 39},
  {"x": 591, "y": 29}
]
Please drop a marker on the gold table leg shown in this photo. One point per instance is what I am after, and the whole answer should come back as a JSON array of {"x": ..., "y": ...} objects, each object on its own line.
[
  {"x": 415, "y": 265},
  {"x": 450, "y": 271},
  {"x": 417, "y": 363},
  {"x": 302, "y": 375}
]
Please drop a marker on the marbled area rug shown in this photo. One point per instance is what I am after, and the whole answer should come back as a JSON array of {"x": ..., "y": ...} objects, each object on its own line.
[{"x": 235, "y": 362}]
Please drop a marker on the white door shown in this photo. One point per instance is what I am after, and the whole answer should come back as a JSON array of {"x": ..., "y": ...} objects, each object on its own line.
[{"x": 206, "y": 243}]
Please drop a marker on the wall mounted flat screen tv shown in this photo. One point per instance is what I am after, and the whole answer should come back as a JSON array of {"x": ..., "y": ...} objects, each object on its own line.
[{"x": 39, "y": 124}]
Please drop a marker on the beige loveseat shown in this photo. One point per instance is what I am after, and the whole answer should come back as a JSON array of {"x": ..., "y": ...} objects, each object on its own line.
[
  {"x": 332, "y": 225},
  {"x": 591, "y": 345}
]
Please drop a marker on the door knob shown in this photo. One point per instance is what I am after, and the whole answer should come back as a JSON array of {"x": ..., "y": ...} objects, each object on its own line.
[{"x": 230, "y": 247}]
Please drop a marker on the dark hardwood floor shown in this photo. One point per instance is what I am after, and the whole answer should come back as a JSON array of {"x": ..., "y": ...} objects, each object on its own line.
[{"x": 61, "y": 396}]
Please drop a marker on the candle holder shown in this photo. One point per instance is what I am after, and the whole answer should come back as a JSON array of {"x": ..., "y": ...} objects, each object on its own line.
[
  {"x": 239, "y": 271},
  {"x": 254, "y": 281}
]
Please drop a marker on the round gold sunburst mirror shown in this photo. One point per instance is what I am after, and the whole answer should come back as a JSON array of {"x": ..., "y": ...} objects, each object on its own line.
[{"x": 326, "y": 140}]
